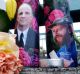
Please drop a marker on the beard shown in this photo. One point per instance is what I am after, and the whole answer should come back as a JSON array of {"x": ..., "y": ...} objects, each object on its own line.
[
  {"x": 62, "y": 39},
  {"x": 59, "y": 39}
]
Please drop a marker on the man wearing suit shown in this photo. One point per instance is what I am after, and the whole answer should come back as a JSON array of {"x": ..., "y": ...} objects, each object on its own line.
[{"x": 26, "y": 36}]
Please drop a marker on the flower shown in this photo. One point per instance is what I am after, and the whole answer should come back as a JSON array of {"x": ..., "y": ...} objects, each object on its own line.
[
  {"x": 54, "y": 14},
  {"x": 57, "y": 14},
  {"x": 8, "y": 65},
  {"x": 24, "y": 56},
  {"x": 46, "y": 10}
]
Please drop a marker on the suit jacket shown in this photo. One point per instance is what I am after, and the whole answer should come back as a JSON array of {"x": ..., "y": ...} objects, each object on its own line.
[
  {"x": 31, "y": 46},
  {"x": 32, "y": 40}
]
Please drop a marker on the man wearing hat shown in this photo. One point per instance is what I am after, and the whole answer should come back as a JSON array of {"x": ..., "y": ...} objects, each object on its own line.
[{"x": 63, "y": 36}]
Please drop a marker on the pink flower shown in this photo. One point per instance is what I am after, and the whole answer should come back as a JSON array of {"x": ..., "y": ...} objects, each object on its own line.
[
  {"x": 33, "y": 3},
  {"x": 54, "y": 15},
  {"x": 47, "y": 24},
  {"x": 51, "y": 17},
  {"x": 24, "y": 56},
  {"x": 46, "y": 10},
  {"x": 34, "y": 24},
  {"x": 27, "y": 1},
  {"x": 57, "y": 13}
]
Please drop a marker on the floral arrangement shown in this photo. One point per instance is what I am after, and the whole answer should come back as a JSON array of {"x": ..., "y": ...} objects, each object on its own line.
[
  {"x": 54, "y": 14},
  {"x": 29, "y": 58},
  {"x": 9, "y": 55},
  {"x": 9, "y": 64}
]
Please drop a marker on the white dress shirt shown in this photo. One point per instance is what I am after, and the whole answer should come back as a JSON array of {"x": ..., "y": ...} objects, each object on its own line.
[{"x": 24, "y": 35}]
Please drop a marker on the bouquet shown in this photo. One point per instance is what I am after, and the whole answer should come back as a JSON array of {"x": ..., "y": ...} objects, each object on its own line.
[{"x": 9, "y": 55}]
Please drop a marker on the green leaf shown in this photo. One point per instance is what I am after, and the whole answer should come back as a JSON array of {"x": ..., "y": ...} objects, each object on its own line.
[{"x": 4, "y": 21}]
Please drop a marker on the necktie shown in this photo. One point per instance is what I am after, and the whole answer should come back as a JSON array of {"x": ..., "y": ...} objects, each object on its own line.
[{"x": 21, "y": 40}]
